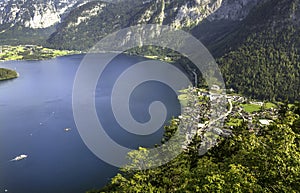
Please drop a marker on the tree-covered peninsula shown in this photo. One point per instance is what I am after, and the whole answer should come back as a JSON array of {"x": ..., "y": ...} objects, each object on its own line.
[{"x": 6, "y": 74}]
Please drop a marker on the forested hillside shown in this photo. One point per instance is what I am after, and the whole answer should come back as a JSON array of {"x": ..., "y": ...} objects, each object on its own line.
[{"x": 263, "y": 58}]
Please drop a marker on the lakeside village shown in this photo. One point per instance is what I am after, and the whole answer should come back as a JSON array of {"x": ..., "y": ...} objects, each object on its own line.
[
  {"x": 31, "y": 52},
  {"x": 214, "y": 114}
]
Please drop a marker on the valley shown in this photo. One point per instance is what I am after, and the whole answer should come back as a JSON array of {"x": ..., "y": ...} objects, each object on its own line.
[{"x": 242, "y": 138}]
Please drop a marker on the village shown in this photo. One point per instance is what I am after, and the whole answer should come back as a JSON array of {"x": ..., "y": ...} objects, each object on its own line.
[
  {"x": 31, "y": 52},
  {"x": 214, "y": 114}
]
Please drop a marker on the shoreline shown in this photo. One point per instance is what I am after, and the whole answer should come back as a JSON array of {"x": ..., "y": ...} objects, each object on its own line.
[
  {"x": 32, "y": 53},
  {"x": 41, "y": 59},
  {"x": 55, "y": 54}
]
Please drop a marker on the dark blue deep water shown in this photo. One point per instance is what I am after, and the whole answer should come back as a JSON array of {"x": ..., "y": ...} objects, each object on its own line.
[{"x": 36, "y": 108}]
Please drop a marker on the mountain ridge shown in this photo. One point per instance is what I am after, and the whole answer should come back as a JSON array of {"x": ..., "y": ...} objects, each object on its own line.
[
  {"x": 32, "y": 21},
  {"x": 46, "y": 19}
]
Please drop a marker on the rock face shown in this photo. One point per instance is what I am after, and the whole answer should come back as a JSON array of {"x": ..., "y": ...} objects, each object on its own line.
[
  {"x": 91, "y": 22},
  {"x": 180, "y": 14},
  {"x": 35, "y": 14},
  {"x": 235, "y": 10},
  {"x": 86, "y": 19},
  {"x": 192, "y": 13}
]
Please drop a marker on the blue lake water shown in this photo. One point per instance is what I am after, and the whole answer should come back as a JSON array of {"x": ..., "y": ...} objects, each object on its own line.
[{"x": 36, "y": 108}]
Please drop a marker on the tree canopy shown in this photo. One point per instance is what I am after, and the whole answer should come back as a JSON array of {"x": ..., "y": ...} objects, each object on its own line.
[{"x": 267, "y": 161}]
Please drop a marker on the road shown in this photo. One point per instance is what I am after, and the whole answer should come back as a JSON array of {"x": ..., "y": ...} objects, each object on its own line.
[{"x": 223, "y": 116}]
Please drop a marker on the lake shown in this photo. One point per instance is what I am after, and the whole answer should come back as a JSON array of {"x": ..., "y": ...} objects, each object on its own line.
[{"x": 36, "y": 108}]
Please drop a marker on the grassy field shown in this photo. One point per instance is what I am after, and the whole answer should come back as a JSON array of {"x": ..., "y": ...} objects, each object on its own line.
[
  {"x": 30, "y": 52},
  {"x": 250, "y": 108}
]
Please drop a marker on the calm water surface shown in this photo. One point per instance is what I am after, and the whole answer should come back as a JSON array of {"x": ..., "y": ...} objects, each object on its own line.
[{"x": 36, "y": 108}]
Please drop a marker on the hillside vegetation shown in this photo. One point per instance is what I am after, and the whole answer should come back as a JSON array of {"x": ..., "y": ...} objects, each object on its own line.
[
  {"x": 260, "y": 159},
  {"x": 263, "y": 58}
]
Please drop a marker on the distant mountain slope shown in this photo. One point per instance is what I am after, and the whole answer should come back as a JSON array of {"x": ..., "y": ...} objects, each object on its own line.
[
  {"x": 32, "y": 21},
  {"x": 89, "y": 23},
  {"x": 218, "y": 28},
  {"x": 263, "y": 58},
  {"x": 82, "y": 22}
]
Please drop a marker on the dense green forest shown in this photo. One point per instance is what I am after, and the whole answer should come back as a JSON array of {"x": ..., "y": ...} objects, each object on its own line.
[
  {"x": 262, "y": 68},
  {"x": 6, "y": 74},
  {"x": 262, "y": 59},
  {"x": 263, "y": 161},
  {"x": 19, "y": 35}
]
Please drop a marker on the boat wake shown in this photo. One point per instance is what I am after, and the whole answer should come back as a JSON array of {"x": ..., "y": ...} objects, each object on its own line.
[{"x": 19, "y": 158}]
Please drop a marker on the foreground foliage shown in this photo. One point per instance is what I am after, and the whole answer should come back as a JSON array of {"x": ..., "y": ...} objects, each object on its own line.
[{"x": 267, "y": 161}]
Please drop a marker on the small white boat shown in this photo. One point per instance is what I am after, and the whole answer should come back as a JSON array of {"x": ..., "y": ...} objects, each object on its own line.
[
  {"x": 20, "y": 157},
  {"x": 67, "y": 129}
]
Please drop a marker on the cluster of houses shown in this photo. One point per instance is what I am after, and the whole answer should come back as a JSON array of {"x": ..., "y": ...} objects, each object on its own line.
[
  {"x": 254, "y": 120},
  {"x": 197, "y": 117}
]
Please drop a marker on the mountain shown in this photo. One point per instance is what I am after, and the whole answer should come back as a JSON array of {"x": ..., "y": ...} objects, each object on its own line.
[
  {"x": 89, "y": 23},
  {"x": 32, "y": 21},
  {"x": 226, "y": 20},
  {"x": 77, "y": 24}
]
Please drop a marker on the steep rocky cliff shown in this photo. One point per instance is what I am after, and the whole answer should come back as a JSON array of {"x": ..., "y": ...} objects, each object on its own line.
[
  {"x": 235, "y": 10},
  {"x": 217, "y": 27},
  {"x": 76, "y": 24},
  {"x": 35, "y": 13},
  {"x": 89, "y": 23},
  {"x": 32, "y": 21}
]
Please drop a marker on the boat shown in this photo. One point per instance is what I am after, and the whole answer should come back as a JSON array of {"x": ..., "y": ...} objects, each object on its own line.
[
  {"x": 20, "y": 157},
  {"x": 67, "y": 129}
]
